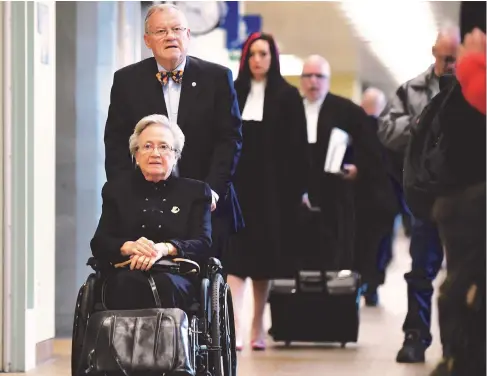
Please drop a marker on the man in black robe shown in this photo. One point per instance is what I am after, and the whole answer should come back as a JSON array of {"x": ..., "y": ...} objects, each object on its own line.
[{"x": 334, "y": 193}]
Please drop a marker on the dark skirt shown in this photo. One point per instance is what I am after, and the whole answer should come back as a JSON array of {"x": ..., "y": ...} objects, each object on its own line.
[
  {"x": 130, "y": 289},
  {"x": 255, "y": 250}
]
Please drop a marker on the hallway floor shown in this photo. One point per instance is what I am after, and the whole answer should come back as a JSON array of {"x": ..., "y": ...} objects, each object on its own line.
[{"x": 374, "y": 354}]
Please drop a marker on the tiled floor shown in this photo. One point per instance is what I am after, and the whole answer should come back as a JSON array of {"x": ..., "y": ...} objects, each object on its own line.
[{"x": 380, "y": 338}]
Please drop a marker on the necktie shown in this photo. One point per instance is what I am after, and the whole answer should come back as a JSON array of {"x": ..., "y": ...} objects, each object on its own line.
[{"x": 163, "y": 77}]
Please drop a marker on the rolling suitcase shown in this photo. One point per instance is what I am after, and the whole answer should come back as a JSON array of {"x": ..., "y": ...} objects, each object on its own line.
[{"x": 316, "y": 305}]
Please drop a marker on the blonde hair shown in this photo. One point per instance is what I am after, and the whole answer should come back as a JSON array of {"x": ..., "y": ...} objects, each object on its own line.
[{"x": 162, "y": 121}]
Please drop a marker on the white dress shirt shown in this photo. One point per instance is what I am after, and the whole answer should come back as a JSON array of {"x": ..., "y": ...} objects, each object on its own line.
[
  {"x": 172, "y": 93},
  {"x": 312, "y": 110},
  {"x": 254, "y": 106}
]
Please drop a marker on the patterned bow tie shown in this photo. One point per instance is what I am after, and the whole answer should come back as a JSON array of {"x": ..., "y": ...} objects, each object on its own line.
[{"x": 163, "y": 77}]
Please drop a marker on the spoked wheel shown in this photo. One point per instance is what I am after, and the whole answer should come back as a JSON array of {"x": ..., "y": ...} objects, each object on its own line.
[
  {"x": 224, "y": 358},
  {"x": 79, "y": 328},
  {"x": 83, "y": 309},
  {"x": 229, "y": 350}
]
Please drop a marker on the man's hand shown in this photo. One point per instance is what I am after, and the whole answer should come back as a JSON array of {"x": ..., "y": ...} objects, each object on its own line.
[
  {"x": 350, "y": 172},
  {"x": 214, "y": 200},
  {"x": 474, "y": 42},
  {"x": 306, "y": 202}
]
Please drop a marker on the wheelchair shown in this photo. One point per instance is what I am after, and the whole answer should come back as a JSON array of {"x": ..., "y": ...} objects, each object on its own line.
[{"x": 211, "y": 329}]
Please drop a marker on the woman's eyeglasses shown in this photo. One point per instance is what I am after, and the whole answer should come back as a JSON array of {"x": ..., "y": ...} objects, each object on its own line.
[{"x": 162, "y": 149}]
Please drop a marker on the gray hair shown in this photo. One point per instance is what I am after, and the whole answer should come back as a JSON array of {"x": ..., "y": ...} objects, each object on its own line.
[
  {"x": 162, "y": 8},
  {"x": 162, "y": 121},
  {"x": 377, "y": 94},
  {"x": 448, "y": 31}
]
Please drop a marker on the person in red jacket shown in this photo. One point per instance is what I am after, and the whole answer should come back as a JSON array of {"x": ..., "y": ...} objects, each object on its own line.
[{"x": 471, "y": 69}]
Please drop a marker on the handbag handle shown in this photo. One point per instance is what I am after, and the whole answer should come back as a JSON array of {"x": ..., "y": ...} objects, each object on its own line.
[{"x": 153, "y": 286}]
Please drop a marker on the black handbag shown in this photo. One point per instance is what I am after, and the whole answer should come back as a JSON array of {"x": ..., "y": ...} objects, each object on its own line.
[{"x": 152, "y": 341}]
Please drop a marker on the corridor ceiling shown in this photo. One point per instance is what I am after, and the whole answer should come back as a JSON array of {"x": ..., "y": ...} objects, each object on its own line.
[{"x": 320, "y": 27}]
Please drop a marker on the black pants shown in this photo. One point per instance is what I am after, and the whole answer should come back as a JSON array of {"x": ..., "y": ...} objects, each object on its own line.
[
  {"x": 130, "y": 289},
  {"x": 462, "y": 225},
  {"x": 369, "y": 231}
]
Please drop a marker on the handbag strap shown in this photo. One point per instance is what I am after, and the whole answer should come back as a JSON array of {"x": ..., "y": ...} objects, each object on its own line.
[{"x": 153, "y": 286}]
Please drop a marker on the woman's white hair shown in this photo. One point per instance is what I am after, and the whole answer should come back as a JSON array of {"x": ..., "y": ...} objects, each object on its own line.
[{"x": 162, "y": 121}]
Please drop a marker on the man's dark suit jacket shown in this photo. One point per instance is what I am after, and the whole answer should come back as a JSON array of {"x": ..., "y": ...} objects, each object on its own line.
[
  {"x": 176, "y": 210},
  {"x": 208, "y": 115}
]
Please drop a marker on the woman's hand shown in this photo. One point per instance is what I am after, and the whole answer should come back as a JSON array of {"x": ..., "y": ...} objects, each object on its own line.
[
  {"x": 141, "y": 261},
  {"x": 166, "y": 249},
  {"x": 141, "y": 247}
]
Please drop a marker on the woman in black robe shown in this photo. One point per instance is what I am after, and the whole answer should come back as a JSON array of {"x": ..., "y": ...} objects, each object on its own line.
[{"x": 270, "y": 179}]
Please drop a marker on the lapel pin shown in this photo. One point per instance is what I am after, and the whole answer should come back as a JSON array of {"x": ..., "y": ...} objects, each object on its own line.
[
  {"x": 175, "y": 209},
  {"x": 193, "y": 84}
]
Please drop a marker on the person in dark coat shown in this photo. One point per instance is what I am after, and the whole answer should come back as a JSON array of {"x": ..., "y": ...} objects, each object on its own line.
[
  {"x": 335, "y": 193},
  {"x": 460, "y": 214},
  {"x": 197, "y": 95},
  {"x": 378, "y": 229},
  {"x": 149, "y": 214},
  {"x": 270, "y": 179}
]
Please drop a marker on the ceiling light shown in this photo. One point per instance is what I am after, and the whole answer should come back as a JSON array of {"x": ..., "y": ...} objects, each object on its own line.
[{"x": 401, "y": 34}]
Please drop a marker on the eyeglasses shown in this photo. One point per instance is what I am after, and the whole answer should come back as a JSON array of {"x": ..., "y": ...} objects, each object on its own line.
[
  {"x": 162, "y": 149},
  {"x": 317, "y": 75},
  {"x": 163, "y": 33}
]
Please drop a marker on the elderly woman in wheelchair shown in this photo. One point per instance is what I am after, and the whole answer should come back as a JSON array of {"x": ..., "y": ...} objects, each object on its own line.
[{"x": 149, "y": 309}]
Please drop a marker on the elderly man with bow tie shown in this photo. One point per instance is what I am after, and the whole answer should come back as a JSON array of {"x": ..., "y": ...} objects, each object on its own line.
[{"x": 197, "y": 95}]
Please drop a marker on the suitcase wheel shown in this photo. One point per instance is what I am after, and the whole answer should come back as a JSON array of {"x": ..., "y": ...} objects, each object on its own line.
[
  {"x": 287, "y": 343},
  {"x": 343, "y": 345}
]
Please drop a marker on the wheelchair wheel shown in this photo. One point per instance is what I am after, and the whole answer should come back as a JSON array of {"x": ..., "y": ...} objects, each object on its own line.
[
  {"x": 82, "y": 311},
  {"x": 224, "y": 359}
]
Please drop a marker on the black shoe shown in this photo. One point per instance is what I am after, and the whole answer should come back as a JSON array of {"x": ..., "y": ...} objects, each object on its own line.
[
  {"x": 371, "y": 298},
  {"x": 412, "y": 350},
  {"x": 442, "y": 369},
  {"x": 370, "y": 295}
]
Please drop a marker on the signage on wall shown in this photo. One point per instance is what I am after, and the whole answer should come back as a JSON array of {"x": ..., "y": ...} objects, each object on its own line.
[
  {"x": 248, "y": 24},
  {"x": 238, "y": 27},
  {"x": 231, "y": 24},
  {"x": 253, "y": 24}
]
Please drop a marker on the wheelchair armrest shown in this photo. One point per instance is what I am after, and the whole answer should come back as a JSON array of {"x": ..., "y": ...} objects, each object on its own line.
[{"x": 98, "y": 265}]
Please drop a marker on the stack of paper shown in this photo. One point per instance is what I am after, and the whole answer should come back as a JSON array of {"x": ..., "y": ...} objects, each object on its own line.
[{"x": 337, "y": 147}]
